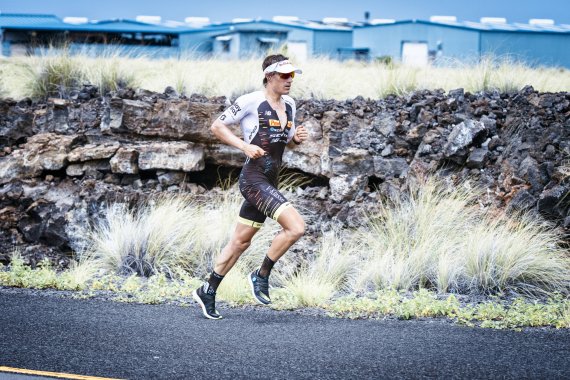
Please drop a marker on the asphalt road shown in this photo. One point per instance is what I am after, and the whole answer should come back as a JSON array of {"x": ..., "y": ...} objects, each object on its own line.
[{"x": 108, "y": 339}]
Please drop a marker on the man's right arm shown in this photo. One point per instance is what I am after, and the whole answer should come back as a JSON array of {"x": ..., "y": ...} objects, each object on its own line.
[{"x": 223, "y": 133}]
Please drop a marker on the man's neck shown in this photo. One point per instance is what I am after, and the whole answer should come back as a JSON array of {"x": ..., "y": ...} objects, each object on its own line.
[{"x": 272, "y": 95}]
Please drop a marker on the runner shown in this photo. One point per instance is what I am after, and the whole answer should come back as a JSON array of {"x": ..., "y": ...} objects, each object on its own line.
[{"x": 267, "y": 123}]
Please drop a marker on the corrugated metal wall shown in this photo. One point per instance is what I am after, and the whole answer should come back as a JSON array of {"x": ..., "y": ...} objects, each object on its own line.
[
  {"x": 451, "y": 44},
  {"x": 250, "y": 44},
  {"x": 531, "y": 48},
  {"x": 387, "y": 40},
  {"x": 327, "y": 42},
  {"x": 295, "y": 34},
  {"x": 198, "y": 43}
]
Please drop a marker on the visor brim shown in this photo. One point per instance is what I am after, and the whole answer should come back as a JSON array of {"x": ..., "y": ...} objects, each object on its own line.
[{"x": 288, "y": 69}]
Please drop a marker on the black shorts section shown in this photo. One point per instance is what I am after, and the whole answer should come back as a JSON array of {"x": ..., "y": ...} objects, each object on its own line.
[
  {"x": 261, "y": 200},
  {"x": 248, "y": 213}
]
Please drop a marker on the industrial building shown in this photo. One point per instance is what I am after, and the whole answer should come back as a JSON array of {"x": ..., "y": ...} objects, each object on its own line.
[
  {"x": 303, "y": 38},
  {"x": 27, "y": 34},
  {"x": 442, "y": 40},
  {"x": 24, "y": 34},
  {"x": 445, "y": 40}
]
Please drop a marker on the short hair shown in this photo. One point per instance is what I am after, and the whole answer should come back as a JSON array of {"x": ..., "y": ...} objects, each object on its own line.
[{"x": 270, "y": 60}]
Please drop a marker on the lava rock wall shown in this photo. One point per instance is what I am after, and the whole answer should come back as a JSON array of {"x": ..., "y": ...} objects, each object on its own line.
[{"x": 61, "y": 160}]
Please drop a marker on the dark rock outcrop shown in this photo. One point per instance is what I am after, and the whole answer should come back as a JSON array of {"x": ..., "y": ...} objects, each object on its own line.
[{"x": 61, "y": 160}]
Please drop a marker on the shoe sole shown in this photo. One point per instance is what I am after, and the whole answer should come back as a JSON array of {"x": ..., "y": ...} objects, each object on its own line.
[
  {"x": 253, "y": 292},
  {"x": 199, "y": 300}
]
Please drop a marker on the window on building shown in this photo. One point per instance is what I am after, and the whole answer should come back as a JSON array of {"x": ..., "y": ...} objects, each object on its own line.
[
  {"x": 266, "y": 43},
  {"x": 361, "y": 54},
  {"x": 358, "y": 54},
  {"x": 225, "y": 43}
]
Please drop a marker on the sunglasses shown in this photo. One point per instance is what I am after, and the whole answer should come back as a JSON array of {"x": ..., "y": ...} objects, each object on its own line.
[{"x": 286, "y": 75}]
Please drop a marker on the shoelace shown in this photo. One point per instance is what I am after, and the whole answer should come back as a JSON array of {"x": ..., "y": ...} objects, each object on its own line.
[
  {"x": 211, "y": 307},
  {"x": 263, "y": 285},
  {"x": 209, "y": 300}
]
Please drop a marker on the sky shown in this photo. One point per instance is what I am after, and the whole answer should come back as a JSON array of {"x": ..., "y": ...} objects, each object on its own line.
[{"x": 226, "y": 10}]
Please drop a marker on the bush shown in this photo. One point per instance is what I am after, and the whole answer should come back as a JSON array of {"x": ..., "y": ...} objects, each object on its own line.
[{"x": 439, "y": 238}]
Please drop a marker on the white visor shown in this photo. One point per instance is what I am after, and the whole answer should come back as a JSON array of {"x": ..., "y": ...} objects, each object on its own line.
[{"x": 282, "y": 67}]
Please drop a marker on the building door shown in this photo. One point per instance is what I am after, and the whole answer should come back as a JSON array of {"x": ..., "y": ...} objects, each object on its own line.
[
  {"x": 297, "y": 49},
  {"x": 415, "y": 53}
]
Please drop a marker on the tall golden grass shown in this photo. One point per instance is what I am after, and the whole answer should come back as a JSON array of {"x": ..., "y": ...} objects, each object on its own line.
[
  {"x": 436, "y": 237},
  {"x": 170, "y": 233},
  {"x": 433, "y": 237},
  {"x": 56, "y": 74}
]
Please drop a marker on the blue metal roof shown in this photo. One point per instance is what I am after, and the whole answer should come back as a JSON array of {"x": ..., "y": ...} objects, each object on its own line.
[
  {"x": 205, "y": 29},
  {"x": 126, "y": 26},
  {"x": 301, "y": 24},
  {"x": 258, "y": 30},
  {"x": 308, "y": 25},
  {"x": 53, "y": 23},
  {"x": 27, "y": 20},
  {"x": 484, "y": 27}
]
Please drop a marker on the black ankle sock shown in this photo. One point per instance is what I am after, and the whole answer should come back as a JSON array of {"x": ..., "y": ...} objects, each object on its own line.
[
  {"x": 214, "y": 282},
  {"x": 266, "y": 267}
]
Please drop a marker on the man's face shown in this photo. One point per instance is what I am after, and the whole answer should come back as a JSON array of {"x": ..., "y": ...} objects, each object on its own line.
[{"x": 282, "y": 82}]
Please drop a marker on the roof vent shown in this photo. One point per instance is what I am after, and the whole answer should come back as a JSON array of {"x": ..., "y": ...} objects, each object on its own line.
[
  {"x": 335, "y": 20},
  {"x": 238, "y": 20},
  {"x": 493, "y": 20},
  {"x": 149, "y": 19},
  {"x": 285, "y": 18},
  {"x": 443, "y": 19},
  {"x": 379, "y": 21},
  {"x": 75, "y": 20},
  {"x": 197, "y": 21},
  {"x": 541, "y": 21}
]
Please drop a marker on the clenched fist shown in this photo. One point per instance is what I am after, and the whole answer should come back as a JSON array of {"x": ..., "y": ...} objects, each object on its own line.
[
  {"x": 301, "y": 134},
  {"x": 252, "y": 151}
]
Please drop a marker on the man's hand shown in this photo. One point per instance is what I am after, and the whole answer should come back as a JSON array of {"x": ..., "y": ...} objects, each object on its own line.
[
  {"x": 252, "y": 151},
  {"x": 301, "y": 134}
]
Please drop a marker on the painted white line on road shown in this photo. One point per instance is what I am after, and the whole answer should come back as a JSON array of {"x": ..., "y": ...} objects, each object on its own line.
[{"x": 52, "y": 374}]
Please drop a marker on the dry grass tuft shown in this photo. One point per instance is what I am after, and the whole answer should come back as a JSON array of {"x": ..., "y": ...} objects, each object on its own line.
[
  {"x": 156, "y": 237},
  {"x": 439, "y": 238},
  {"x": 317, "y": 279}
]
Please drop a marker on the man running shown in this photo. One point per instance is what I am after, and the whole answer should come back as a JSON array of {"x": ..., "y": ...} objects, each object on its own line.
[{"x": 267, "y": 120}]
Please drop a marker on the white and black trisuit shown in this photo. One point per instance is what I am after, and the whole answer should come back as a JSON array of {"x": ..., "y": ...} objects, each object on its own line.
[{"x": 260, "y": 126}]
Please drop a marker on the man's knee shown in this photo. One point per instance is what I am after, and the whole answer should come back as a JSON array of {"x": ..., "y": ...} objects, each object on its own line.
[
  {"x": 296, "y": 231},
  {"x": 241, "y": 245}
]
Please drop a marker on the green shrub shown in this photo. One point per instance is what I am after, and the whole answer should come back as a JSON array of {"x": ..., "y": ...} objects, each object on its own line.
[{"x": 494, "y": 313}]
